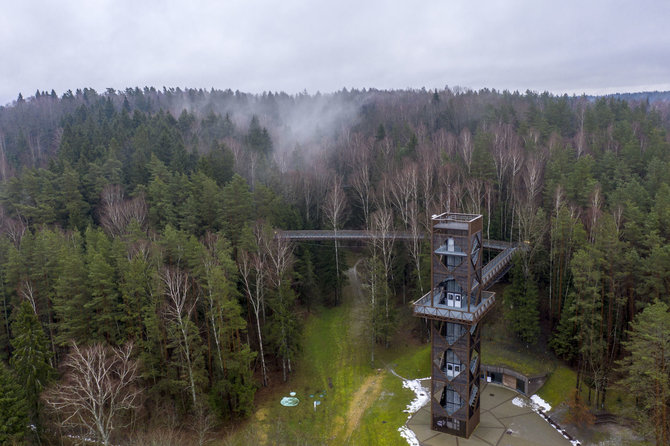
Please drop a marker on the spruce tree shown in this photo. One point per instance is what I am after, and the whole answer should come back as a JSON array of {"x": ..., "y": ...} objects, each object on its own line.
[
  {"x": 72, "y": 294},
  {"x": 13, "y": 407},
  {"x": 31, "y": 357},
  {"x": 521, "y": 302},
  {"x": 104, "y": 303},
  {"x": 647, "y": 370}
]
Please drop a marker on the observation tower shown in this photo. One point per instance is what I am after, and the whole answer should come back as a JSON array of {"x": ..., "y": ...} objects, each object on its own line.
[{"x": 454, "y": 307}]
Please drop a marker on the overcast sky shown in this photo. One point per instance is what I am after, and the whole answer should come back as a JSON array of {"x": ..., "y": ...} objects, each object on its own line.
[{"x": 573, "y": 46}]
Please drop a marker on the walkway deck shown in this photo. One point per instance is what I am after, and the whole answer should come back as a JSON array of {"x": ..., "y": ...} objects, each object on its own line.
[
  {"x": 359, "y": 234},
  {"x": 491, "y": 272}
]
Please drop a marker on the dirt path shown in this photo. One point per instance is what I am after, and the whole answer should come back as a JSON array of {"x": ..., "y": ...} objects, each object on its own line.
[
  {"x": 371, "y": 388},
  {"x": 359, "y": 306},
  {"x": 361, "y": 400}
]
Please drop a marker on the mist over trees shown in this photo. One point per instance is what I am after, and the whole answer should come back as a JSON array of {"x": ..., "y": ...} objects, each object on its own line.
[{"x": 141, "y": 223}]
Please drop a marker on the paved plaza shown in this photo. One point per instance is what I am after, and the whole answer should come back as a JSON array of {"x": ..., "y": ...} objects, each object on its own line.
[{"x": 502, "y": 424}]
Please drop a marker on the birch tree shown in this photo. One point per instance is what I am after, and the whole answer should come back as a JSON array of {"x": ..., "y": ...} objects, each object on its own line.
[
  {"x": 383, "y": 238},
  {"x": 280, "y": 255},
  {"x": 98, "y": 387},
  {"x": 333, "y": 208},
  {"x": 179, "y": 310},
  {"x": 252, "y": 267},
  {"x": 405, "y": 190}
]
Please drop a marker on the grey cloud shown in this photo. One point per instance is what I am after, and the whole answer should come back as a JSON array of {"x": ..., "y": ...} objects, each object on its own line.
[{"x": 259, "y": 45}]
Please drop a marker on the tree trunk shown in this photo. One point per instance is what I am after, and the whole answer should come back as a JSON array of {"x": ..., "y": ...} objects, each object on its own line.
[
  {"x": 337, "y": 271},
  {"x": 260, "y": 347}
]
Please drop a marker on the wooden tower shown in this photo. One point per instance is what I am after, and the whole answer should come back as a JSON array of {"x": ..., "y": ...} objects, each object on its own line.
[{"x": 455, "y": 306}]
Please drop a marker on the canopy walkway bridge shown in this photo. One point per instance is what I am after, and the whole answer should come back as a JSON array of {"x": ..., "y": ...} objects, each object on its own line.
[{"x": 491, "y": 272}]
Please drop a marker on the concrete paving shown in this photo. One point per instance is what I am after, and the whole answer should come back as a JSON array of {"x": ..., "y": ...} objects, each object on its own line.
[{"x": 501, "y": 424}]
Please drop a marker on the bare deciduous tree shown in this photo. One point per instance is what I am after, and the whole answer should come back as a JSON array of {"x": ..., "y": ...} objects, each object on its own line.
[
  {"x": 252, "y": 266},
  {"x": 428, "y": 163},
  {"x": 360, "y": 180},
  {"x": 475, "y": 190},
  {"x": 279, "y": 251},
  {"x": 466, "y": 147},
  {"x": 97, "y": 388},
  {"x": 404, "y": 190},
  {"x": 333, "y": 208},
  {"x": 359, "y": 154},
  {"x": 14, "y": 228},
  {"x": 594, "y": 212},
  {"x": 383, "y": 237},
  {"x": 203, "y": 424},
  {"x": 178, "y": 310},
  {"x": 111, "y": 214},
  {"x": 449, "y": 191},
  {"x": 116, "y": 212},
  {"x": 415, "y": 243},
  {"x": 27, "y": 292},
  {"x": 515, "y": 165}
]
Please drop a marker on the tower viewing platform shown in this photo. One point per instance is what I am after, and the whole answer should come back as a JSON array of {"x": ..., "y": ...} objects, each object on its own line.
[{"x": 455, "y": 304}]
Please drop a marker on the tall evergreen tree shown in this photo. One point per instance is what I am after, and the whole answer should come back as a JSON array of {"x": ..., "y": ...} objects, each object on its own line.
[
  {"x": 72, "y": 321},
  {"x": 31, "y": 356},
  {"x": 14, "y": 417},
  {"x": 521, "y": 300},
  {"x": 647, "y": 370},
  {"x": 103, "y": 304}
]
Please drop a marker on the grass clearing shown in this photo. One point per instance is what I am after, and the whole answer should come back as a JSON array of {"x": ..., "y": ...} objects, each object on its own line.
[
  {"x": 558, "y": 386},
  {"x": 619, "y": 401},
  {"x": 364, "y": 405},
  {"x": 514, "y": 357}
]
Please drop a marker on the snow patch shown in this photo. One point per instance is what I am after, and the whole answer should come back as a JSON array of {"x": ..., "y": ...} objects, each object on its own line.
[
  {"x": 519, "y": 402},
  {"x": 536, "y": 403},
  {"x": 408, "y": 434},
  {"x": 542, "y": 404},
  {"x": 417, "y": 403},
  {"x": 421, "y": 395}
]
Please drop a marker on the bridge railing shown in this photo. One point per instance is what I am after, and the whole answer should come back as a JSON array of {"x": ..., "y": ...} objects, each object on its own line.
[
  {"x": 424, "y": 307},
  {"x": 360, "y": 234},
  {"x": 489, "y": 271}
]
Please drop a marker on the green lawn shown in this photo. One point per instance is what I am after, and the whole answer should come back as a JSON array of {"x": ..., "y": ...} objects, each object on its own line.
[
  {"x": 558, "y": 386},
  {"x": 364, "y": 405},
  {"x": 514, "y": 357}
]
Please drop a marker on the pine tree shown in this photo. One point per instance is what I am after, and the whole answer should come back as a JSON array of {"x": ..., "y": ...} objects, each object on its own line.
[
  {"x": 258, "y": 139},
  {"x": 31, "y": 357},
  {"x": 232, "y": 388},
  {"x": 72, "y": 322},
  {"x": 70, "y": 200},
  {"x": 564, "y": 341},
  {"x": 13, "y": 407},
  {"x": 161, "y": 202},
  {"x": 521, "y": 302},
  {"x": 647, "y": 369},
  {"x": 103, "y": 305},
  {"x": 237, "y": 208}
]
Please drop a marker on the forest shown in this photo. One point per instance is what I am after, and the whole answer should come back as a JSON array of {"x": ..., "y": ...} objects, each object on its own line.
[{"x": 139, "y": 267}]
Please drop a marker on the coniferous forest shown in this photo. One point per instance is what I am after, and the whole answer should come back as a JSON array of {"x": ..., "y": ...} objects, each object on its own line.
[{"x": 139, "y": 267}]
